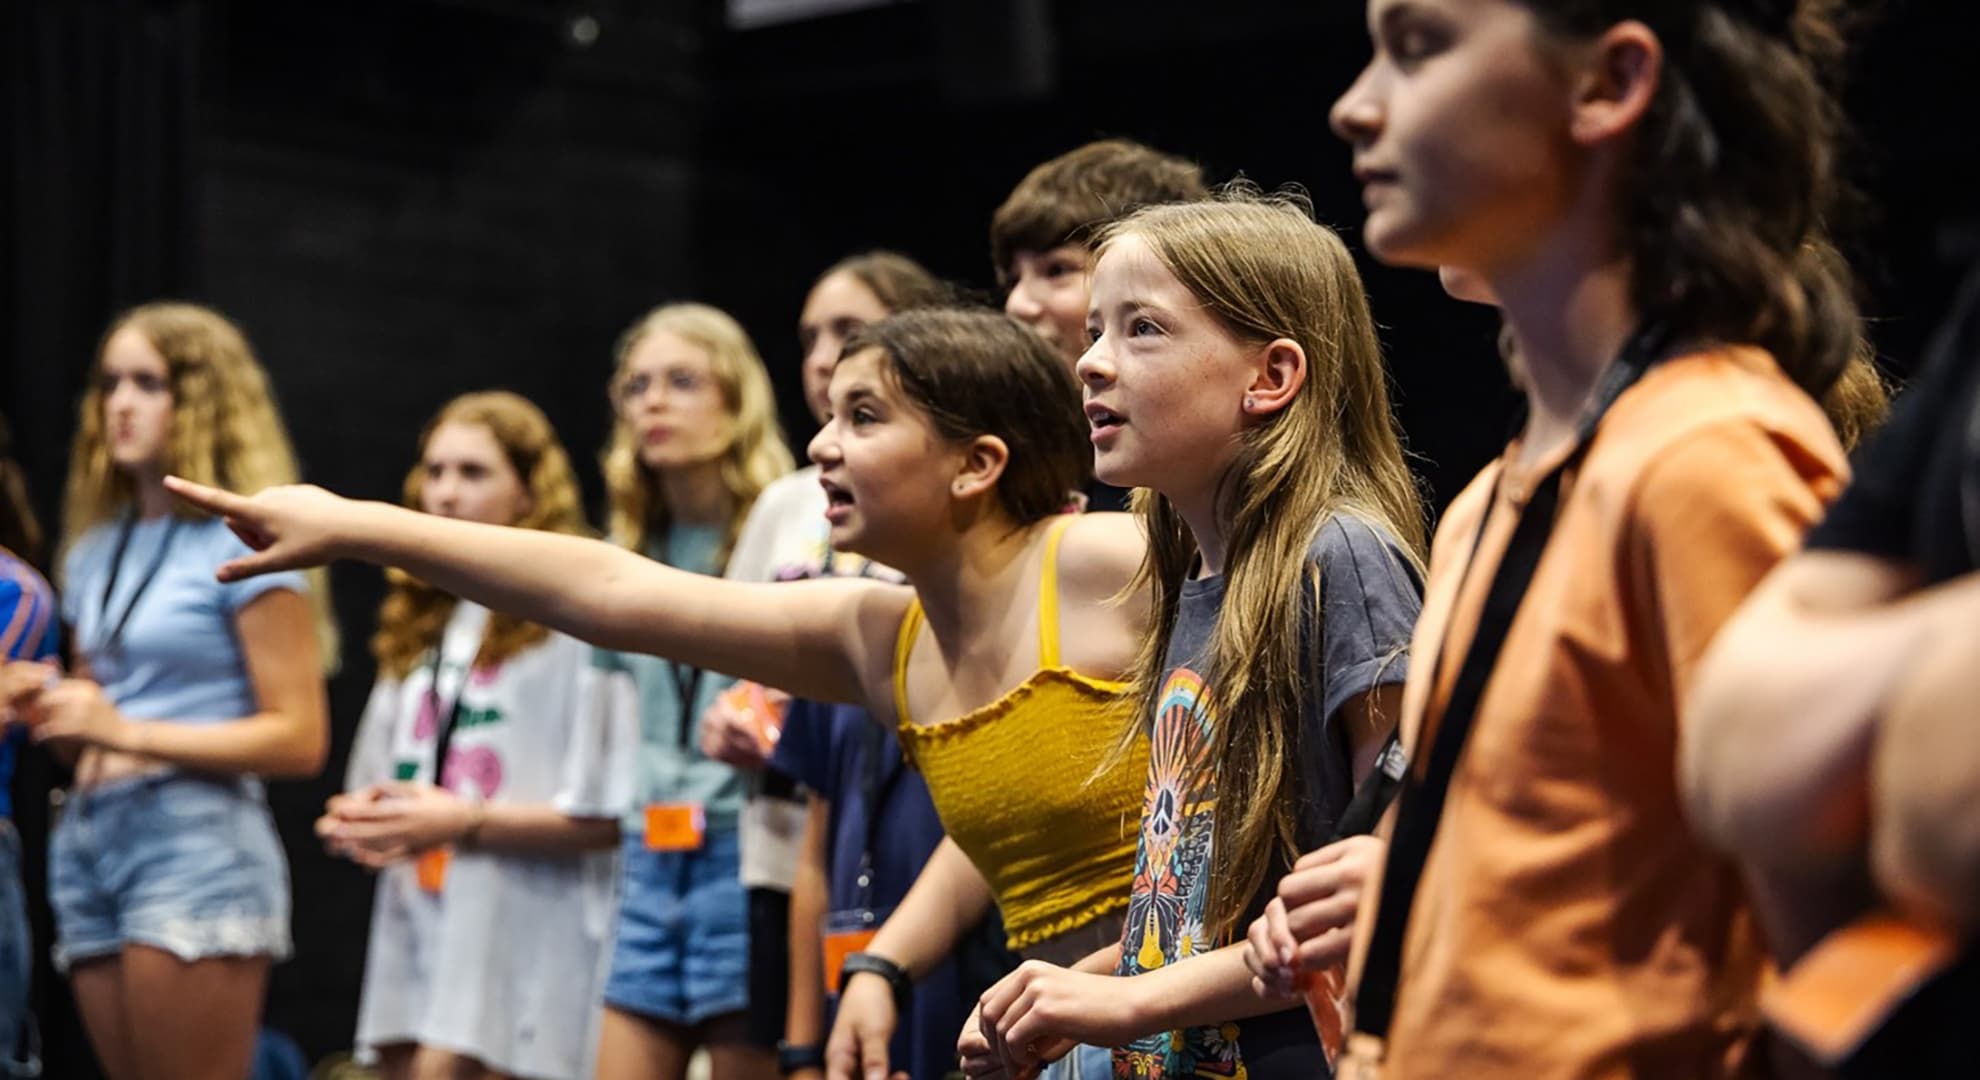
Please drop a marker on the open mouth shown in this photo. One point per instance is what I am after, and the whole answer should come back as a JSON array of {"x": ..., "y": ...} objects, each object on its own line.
[
  {"x": 1103, "y": 419},
  {"x": 837, "y": 499}
]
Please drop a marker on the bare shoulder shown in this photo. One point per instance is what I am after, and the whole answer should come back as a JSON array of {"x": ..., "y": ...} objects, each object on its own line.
[
  {"x": 873, "y": 612},
  {"x": 1100, "y": 554},
  {"x": 1100, "y": 621}
]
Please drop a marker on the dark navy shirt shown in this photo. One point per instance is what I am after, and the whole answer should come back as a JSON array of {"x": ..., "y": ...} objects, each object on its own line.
[{"x": 828, "y": 748}]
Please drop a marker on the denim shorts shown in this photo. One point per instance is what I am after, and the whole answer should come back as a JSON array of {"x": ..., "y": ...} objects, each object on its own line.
[
  {"x": 184, "y": 863},
  {"x": 682, "y": 948}
]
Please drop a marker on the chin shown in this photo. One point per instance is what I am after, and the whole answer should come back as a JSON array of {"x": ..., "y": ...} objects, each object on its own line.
[
  {"x": 663, "y": 459},
  {"x": 131, "y": 461},
  {"x": 1112, "y": 469},
  {"x": 1397, "y": 240}
]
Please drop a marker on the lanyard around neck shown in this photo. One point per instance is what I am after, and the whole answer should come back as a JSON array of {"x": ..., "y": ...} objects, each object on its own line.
[
  {"x": 1421, "y": 807},
  {"x": 113, "y": 633}
]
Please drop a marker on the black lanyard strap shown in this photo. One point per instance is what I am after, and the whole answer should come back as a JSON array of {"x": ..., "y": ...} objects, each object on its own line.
[
  {"x": 687, "y": 685},
  {"x": 1422, "y": 802},
  {"x": 443, "y": 740},
  {"x": 113, "y": 631}
]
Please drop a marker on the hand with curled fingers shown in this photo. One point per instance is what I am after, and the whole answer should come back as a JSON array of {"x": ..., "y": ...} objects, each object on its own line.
[
  {"x": 1309, "y": 925},
  {"x": 390, "y": 822},
  {"x": 732, "y": 734},
  {"x": 1041, "y": 1012},
  {"x": 864, "y": 1024},
  {"x": 292, "y": 527},
  {"x": 335, "y": 811},
  {"x": 76, "y": 712},
  {"x": 21, "y": 684}
]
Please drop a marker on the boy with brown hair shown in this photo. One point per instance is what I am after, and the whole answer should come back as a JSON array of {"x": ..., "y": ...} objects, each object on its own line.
[{"x": 1040, "y": 237}]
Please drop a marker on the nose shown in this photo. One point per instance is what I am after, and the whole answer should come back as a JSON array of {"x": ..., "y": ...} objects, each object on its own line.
[
  {"x": 824, "y": 355},
  {"x": 1019, "y": 303},
  {"x": 1095, "y": 366},
  {"x": 1357, "y": 116},
  {"x": 444, "y": 490},
  {"x": 824, "y": 446}
]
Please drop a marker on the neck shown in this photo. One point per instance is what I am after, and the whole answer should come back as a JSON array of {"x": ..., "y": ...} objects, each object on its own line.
[
  {"x": 1570, "y": 312},
  {"x": 973, "y": 583},
  {"x": 696, "y": 495},
  {"x": 1199, "y": 512},
  {"x": 153, "y": 501}
]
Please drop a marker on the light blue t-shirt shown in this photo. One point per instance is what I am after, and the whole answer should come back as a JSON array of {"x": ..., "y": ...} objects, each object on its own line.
[
  {"x": 671, "y": 765},
  {"x": 179, "y": 657}
]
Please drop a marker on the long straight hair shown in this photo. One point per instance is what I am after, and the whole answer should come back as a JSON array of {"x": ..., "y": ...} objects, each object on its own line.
[{"x": 1265, "y": 270}]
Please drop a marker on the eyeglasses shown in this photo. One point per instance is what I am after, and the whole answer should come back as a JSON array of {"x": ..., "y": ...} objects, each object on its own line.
[{"x": 634, "y": 387}]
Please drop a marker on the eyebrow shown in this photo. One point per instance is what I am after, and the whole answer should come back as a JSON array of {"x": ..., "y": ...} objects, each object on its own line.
[
  {"x": 1134, "y": 304},
  {"x": 1396, "y": 11}
]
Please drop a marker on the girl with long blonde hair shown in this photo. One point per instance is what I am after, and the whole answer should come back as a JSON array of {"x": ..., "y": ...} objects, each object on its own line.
[
  {"x": 509, "y": 838},
  {"x": 694, "y": 444},
  {"x": 168, "y": 881},
  {"x": 1234, "y": 377}
]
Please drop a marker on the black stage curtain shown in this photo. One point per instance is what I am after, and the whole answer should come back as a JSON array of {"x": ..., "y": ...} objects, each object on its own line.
[{"x": 100, "y": 213}]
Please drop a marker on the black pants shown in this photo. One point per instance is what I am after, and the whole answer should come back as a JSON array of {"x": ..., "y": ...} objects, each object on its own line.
[{"x": 769, "y": 964}]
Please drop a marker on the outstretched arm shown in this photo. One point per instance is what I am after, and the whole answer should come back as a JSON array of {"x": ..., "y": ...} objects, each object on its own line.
[{"x": 819, "y": 639}]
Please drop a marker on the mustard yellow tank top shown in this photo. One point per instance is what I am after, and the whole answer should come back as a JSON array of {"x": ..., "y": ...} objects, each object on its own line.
[{"x": 1010, "y": 782}]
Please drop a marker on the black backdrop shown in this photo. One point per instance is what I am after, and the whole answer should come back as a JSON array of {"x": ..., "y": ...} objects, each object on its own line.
[{"x": 404, "y": 199}]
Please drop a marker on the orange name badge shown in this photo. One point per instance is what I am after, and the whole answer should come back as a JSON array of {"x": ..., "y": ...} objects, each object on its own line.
[
  {"x": 432, "y": 869},
  {"x": 675, "y": 826},
  {"x": 838, "y": 946}
]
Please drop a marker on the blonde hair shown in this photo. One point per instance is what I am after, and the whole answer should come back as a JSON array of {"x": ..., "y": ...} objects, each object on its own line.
[
  {"x": 1265, "y": 270},
  {"x": 754, "y": 456},
  {"x": 414, "y": 614},
  {"x": 226, "y": 432}
]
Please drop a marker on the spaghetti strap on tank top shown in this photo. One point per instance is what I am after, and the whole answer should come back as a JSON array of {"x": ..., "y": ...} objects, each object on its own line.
[{"x": 1048, "y": 620}]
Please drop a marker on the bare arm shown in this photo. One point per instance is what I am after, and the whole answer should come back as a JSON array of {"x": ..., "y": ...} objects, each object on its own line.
[
  {"x": 817, "y": 639},
  {"x": 1370, "y": 718},
  {"x": 541, "y": 827},
  {"x": 380, "y": 825},
  {"x": 1925, "y": 835},
  {"x": 287, "y": 738},
  {"x": 1795, "y": 700},
  {"x": 1041, "y": 1011},
  {"x": 804, "y": 1017},
  {"x": 946, "y": 900},
  {"x": 1778, "y": 727}
]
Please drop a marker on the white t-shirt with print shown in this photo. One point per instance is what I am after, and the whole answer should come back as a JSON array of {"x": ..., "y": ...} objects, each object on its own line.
[{"x": 506, "y": 963}]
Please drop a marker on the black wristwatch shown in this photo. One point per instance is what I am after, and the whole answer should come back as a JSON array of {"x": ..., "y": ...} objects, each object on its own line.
[
  {"x": 872, "y": 964},
  {"x": 791, "y": 1059}
]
